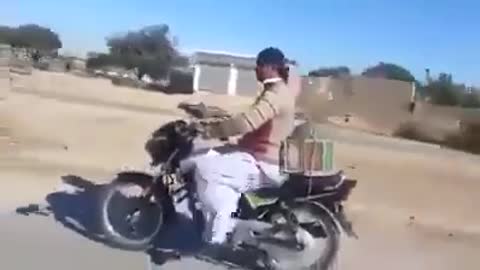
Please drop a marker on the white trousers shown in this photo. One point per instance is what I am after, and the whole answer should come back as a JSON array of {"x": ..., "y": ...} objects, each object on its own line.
[{"x": 220, "y": 179}]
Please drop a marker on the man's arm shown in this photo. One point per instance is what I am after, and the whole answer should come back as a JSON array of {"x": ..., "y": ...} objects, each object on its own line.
[{"x": 266, "y": 107}]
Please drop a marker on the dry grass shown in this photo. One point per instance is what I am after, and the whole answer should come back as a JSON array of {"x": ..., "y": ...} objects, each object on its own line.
[
  {"x": 412, "y": 131},
  {"x": 467, "y": 139},
  {"x": 127, "y": 82}
]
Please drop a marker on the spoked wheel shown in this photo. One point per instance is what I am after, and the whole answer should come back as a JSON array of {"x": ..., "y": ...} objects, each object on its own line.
[
  {"x": 313, "y": 218},
  {"x": 318, "y": 235},
  {"x": 128, "y": 219}
]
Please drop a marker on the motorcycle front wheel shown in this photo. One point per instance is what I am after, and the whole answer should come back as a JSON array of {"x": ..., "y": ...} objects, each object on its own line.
[{"x": 128, "y": 220}]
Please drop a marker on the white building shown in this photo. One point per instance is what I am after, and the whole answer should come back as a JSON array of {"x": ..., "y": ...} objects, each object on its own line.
[{"x": 224, "y": 73}]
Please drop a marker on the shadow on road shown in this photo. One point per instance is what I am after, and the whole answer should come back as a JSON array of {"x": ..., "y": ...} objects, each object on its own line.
[{"x": 76, "y": 208}]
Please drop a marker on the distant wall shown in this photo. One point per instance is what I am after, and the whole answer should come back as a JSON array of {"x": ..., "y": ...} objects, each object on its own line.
[
  {"x": 66, "y": 86},
  {"x": 379, "y": 106},
  {"x": 383, "y": 104},
  {"x": 5, "y": 56}
]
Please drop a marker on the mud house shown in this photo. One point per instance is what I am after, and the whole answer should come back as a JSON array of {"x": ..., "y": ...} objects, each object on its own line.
[{"x": 225, "y": 73}]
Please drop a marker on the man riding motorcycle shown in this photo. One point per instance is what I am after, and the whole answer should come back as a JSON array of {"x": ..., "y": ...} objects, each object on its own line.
[
  {"x": 222, "y": 175},
  {"x": 277, "y": 227}
]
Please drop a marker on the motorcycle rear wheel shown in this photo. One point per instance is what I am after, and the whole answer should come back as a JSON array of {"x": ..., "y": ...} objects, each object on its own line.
[
  {"x": 329, "y": 256},
  {"x": 118, "y": 229},
  {"x": 316, "y": 221}
]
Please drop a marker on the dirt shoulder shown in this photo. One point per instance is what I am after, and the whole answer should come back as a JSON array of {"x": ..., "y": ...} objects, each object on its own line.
[
  {"x": 56, "y": 137},
  {"x": 412, "y": 206}
]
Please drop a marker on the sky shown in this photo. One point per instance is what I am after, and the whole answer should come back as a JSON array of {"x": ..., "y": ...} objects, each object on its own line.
[{"x": 442, "y": 35}]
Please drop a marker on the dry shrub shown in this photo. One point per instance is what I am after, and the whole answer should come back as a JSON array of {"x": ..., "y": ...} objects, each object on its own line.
[
  {"x": 467, "y": 139},
  {"x": 127, "y": 82},
  {"x": 41, "y": 65},
  {"x": 411, "y": 131}
]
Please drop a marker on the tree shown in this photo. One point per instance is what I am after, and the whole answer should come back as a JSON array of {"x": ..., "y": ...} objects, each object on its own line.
[
  {"x": 330, "y": 71},
  {"x": 37, "y": 40},
  {"x": 389, "y": 71},
  {"x": 150, "y": 49},
  {"x": 181, "y": 61},
  {"x": 6, "y": 34},
  {"x": 37, "y": 37},
  {"x": 151, "y": 40},
  {"x": 471, "y": 99},
  {"x": 443, "y": 91}
]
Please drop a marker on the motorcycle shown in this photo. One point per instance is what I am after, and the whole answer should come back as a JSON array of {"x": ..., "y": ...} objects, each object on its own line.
[{"x": 281, "y": 226}]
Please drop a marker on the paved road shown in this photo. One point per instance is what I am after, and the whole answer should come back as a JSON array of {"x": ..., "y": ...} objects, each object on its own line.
[
  {"x": 65, "y": 236},
  {"x": 65, "y": 239},
  {"x": 36, "y": 242}
]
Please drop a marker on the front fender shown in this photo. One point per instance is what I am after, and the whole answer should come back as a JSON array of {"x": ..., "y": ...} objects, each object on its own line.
[
  {"x": 145, "y": 180},
  {"x": 141, "y": 178}
]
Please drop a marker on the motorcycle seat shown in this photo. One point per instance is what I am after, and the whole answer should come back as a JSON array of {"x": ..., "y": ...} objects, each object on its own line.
[
  {"x": 334, "y": 187},
  {"x": 264, "y": 196},
  {"x": 298, "y": 182}
]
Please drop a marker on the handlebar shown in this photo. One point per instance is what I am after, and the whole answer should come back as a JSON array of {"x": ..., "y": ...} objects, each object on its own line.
[
  {"x": 191, "y": 130},
  {"x": 201, "y": 111}
]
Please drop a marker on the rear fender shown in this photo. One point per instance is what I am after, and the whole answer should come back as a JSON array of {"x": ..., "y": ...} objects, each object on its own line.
[
  {"x": 327, "y": 212},
  {"x": 346, "y": 189},
  {"x": 336, "y": 216},
  {"x": 342, "y": 224},
  {"x": 332, "y": 207}
]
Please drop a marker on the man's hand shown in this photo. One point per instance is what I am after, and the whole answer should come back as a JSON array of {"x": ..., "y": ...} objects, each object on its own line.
[
  {"x": 201, "y": 127},
  {"x": 198, "y": 110}
]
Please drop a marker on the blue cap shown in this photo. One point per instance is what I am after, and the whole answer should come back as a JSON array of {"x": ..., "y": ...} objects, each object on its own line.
[{"x": 271, "y": 56}]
